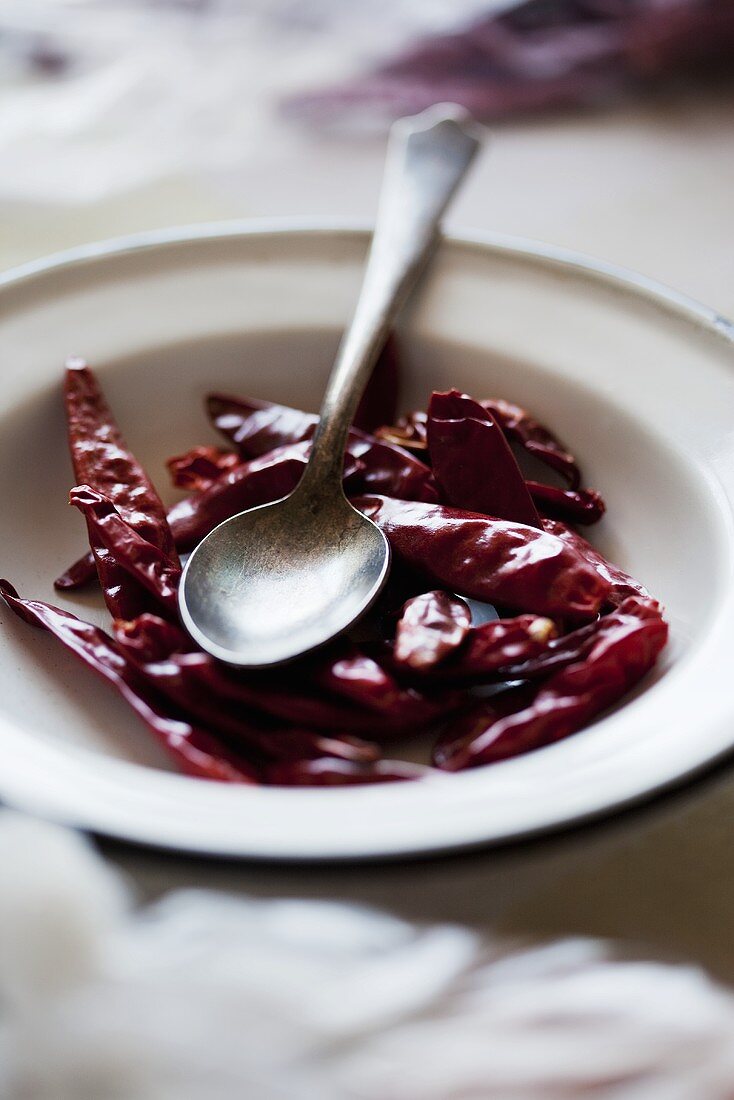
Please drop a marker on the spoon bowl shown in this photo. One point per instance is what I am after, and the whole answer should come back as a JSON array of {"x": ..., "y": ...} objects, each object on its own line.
[{"x": 282, "y": 579}]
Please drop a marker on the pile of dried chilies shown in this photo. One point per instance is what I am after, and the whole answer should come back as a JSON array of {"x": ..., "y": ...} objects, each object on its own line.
[{"x": 574, "y": 633}]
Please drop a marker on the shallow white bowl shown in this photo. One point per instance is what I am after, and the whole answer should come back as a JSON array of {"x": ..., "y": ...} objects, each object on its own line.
[{"x": 637, "y": 379}]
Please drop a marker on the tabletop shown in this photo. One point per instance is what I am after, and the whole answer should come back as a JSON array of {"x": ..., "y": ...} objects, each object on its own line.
[{"x": 647, "y": 186}]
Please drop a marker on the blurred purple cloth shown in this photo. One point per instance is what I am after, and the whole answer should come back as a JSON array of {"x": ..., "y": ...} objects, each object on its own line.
[{"x": 539, "y": 54}]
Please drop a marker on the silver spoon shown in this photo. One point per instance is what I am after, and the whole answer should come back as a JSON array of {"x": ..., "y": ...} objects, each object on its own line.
[{"x": 276, "y": 581}]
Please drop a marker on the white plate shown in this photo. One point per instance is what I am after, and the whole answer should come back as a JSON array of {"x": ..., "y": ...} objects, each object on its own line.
[{"x": 637, "y": 379}]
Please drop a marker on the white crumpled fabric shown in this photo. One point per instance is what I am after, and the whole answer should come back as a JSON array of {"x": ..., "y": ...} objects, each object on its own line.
[
  {"x": 98, "y": 97},
  {"x": 206, "y": 997}
]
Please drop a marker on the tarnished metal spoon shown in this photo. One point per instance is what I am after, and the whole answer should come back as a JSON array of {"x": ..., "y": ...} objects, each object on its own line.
[{"x": 276, "y": 581}]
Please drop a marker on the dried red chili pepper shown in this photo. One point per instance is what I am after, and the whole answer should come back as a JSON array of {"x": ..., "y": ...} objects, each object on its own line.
[
  {"x": 496, "y": 650},
  {"x": 522, "y": 428},
  {"x": 626, "y": 644},
  {"x": 256, "y": 427},
  {"x": 259, "y": 481},
  {"x": 343, "y": 773},
  {"x": 300, "y": 731},
  {"x": 365, "y": 682},
  {"x": 409, "y": 431},
  {"x": 102, "y": 460},
  {"x": 151, "y": 638},
  {"x": 431, "y": 627},
  {"x": 390, "y": 470},
  {"x": 574, "y": 506},
  {"x": 184, "y": 673},
  {"x": 277, "y": 472},
  {"x": 200, "y": 467},
  {"x": 153, "y": 644},
  {"x": 487, "y": 559},
  {"x": 79, "y": 574},
  {"x": 146, "y": 564},
  {"x": 195, "y": 750},
  {"x": 621, "y": 584},
  {"x": 472, "y": 461}
]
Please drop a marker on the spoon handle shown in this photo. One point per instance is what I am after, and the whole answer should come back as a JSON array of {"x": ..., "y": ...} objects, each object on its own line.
[{"x": 427, "y": 157}]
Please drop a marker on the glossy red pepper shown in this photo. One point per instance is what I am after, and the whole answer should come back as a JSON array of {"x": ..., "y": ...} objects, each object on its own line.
[
  {"x": 491, "y": 560},
  {"x": 255, "y": 427},
  {"x": 144, "y": 562},
  {"x": 200, "y": 467},
  {"x": 621, "y": 584},
  {"x": 276, "y": 473},
  {"x": 411, "y": 669},
  {"x": 572, "y": 505},
  {"x": 411, "y": 431},
  {"x": 155, "y": 646},
  {"x": 431, "y": 627},
  {"x": 196, "y": 750},
  {"x": 78, "y": 575},
  {"x": 472, "y": 461},
  {"x": 102, "y": 460},
  {"x": 260, "y": 481},
  {"x": 625, "y": 646},
  {"x": 363, "y": 681},
  {"x": 271, "y": 473},
  {"x": 522, "y": 428},
  {"x": 247, "y": 485},
  {"x": 262, "y": 739},
  {"x": 496, "y": 650},
  {"x": 186, "y": 673}
]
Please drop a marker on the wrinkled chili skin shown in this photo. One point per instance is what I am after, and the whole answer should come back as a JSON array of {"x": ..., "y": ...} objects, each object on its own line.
[
  {"x": 151, "y": 638},
  {"x": 496, "y": 650},
  {"x": 154, "y": 646},
  {"x": 584, "y": 506},
  {"x": 359, "y": 678},
  {"x": 248, "y": 485},
  {"x": 257, "y": 427},
  {"x": 200, "y": 467},
  {"x": 626, "y": 645},
  {"x": 621, "y": 584},
  {"x": 276, "y": 473},
  {"x": 491, "y": 560},
  {"x": 342, "y": 773},
  {"x": 411, "y": 431},
  {"x": 101, "y": 459},
  {"x": 472, "y": 461},
  {"x": 79, "y": 574},
  {"x": 431, "y": 627},
  {"x": 146, "y": 564},
  {"x": 420, "y": 652},
  {"x": 522, "y": 428},
  {"x": 196, "y": 751}
]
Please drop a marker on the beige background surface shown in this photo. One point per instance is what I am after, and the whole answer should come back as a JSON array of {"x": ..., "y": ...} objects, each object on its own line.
[{"x": 650, "y": 188}]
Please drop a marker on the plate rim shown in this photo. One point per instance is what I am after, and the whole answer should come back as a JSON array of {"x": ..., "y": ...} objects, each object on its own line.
[{"x": 566, "y": 260}]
